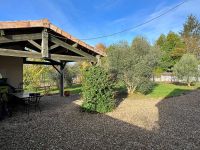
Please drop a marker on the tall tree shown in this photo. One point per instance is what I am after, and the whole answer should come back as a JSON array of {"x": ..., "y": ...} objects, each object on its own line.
[
  {"x": 191, "y": 35},
  {"x": 191, "y": 27},
  {"x": 172, "y": 47},
  {"x": 161, "y": 40}
]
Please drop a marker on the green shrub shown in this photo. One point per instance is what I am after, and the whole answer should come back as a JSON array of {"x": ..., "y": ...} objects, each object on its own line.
[
  {"x": 145, "y": 87},
  {"x": 97, "y": 90}
]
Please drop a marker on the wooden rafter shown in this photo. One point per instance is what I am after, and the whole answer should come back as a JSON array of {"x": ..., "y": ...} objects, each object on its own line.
[
  {"x": 35, "y": 44},
  {"x": 20, "y": 37},
  {"x": 19, "y": 53},
  {"x": 75, "y": 45},
  {"x": 53, "y": 47},
  {"x": 69, "y": 47}
]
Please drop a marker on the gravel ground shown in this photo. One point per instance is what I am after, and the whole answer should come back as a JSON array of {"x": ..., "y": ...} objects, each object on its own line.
[{"x": 172, "y": 123}]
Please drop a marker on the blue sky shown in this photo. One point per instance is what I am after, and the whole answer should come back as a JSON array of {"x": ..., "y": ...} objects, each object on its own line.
[{"x": 87, "y": 18}]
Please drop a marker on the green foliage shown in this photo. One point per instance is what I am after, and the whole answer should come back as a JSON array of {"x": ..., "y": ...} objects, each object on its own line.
[
  {"x": 97, "y": 90},
  {"x": 145, "y": 87},
  {"x": 40, "y": 75},
  {"x": 116, "y": 57},
  {"x": 191, "y": 27},
  {"x": 172, "y": 47},
  {"x": 133, "y": 64},
  {"x": 187, "y": 68},
  {"x": 161, "y": 40},
  {"x": 33, "y": 76},
  {"x": 71, "y": 71},
  {"x": 157, "y": 71},
  {"x": 53, "y": 77}
]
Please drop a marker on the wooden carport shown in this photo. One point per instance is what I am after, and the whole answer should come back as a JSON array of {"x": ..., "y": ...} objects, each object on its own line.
[{"x": 42, "y": 40}]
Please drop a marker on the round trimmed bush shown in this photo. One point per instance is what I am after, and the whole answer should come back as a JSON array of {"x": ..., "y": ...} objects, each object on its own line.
[{"x": 97, "y": 90}]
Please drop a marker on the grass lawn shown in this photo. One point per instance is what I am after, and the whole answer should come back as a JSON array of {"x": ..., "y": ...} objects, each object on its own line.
[
  {"x": 74, "y": 89},
  {"x": 163, "y": 90}
]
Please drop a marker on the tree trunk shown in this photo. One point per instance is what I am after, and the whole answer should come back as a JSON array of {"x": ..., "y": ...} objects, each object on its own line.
[
  {"x": 188, "y": 81},
  {"x": 131, "y": 90}
]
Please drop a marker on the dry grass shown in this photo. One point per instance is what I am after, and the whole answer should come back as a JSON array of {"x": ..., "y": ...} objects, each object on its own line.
[{"x": 172, "y": 123}]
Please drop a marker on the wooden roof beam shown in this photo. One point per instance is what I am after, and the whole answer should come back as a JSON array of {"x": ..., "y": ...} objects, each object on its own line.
[
  {"x": 19, "y": 53},
  {"x": 69, "y": 47},
  {"x": 39, "y": 63},
  {"x": 75, "y": 45},
  {"x": 53, "y": 47},
  {"x": 35, "y": 44},
  {"x": 20, "y": 37}
]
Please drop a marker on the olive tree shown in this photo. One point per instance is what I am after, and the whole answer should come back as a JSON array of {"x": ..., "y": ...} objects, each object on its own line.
[
  {"x": 187, "y": 68},
  {"x": 133, "y": 64}
]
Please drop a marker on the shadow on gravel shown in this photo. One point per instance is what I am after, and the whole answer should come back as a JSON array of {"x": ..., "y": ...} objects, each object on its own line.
[
  {"x": 178, "y": 92},
  {"x": 120, "y": 95},
  {"x": 179, "y": 118},
  {"x": 62, "y": 125}
]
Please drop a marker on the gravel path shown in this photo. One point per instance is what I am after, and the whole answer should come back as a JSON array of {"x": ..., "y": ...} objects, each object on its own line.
[{"x": 172, "y": 123}]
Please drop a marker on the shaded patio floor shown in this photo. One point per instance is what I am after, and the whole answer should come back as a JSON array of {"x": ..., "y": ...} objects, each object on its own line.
[{"x": 172, "y": 123}]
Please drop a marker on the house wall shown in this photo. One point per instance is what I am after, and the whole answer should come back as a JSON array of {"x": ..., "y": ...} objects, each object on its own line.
[{"x": 12, "y": 68}]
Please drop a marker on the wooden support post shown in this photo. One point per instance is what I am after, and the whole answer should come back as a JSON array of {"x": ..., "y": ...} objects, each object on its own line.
[
  {"x": 45, "y": 47},
  {"x": 62, "y": 66}
]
